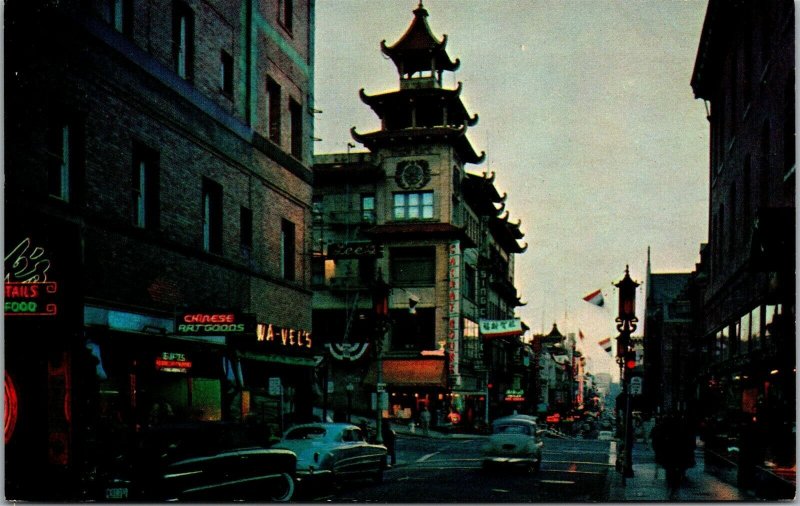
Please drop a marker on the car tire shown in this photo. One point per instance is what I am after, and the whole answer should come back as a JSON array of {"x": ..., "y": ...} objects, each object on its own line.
[{"x": 282, "y": 488}]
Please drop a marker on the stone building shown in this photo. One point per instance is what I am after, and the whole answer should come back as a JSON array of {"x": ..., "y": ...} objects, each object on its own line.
[
  {"x": 745, "y": 73},
  {"x": 410, "y": 213},
  {"x": 158, "y": 191}
]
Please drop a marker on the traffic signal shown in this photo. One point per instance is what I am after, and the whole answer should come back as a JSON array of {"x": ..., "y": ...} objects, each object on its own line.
[{"x": 630, "y": 360}]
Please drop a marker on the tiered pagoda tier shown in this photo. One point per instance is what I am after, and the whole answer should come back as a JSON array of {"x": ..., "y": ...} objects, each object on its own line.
[{"x": 421, "y": 111}]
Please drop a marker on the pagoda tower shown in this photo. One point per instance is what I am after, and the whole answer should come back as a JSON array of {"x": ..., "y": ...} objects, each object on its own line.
[{"x": 423, "y": 124}]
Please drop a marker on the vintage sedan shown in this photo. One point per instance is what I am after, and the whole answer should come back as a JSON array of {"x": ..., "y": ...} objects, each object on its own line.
[
  {"x": 198, "y": 461},
  {"x": 515, "y": 441},
  {"x": 333, "y": 451}
]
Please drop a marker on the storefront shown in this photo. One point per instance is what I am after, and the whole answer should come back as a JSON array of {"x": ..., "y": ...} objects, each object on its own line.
[{"x": 414, "y": 384}]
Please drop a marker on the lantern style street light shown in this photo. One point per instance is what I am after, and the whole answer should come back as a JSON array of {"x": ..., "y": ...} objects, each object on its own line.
[{"x": 626, "y": 324}]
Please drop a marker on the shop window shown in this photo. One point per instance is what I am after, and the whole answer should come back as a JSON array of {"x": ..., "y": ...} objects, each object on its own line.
[{"x": 413, "y": 266}]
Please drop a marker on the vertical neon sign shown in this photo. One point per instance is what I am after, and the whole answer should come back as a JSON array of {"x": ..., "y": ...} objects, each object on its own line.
[{"x": 454, "y": 311}]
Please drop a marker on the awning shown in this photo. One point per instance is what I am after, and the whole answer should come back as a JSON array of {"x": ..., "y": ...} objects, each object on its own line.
[
  {"x": 410, "y": 372},
  {"x": 281, "y": 359}
]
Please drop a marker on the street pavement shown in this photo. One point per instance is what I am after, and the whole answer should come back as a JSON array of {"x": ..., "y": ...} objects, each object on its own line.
[{"x": 648, "y": 482}]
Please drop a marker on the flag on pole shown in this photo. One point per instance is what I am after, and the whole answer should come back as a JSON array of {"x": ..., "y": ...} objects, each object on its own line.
[
  {"x": 606, "y": 344},
  {"x": 596, "y": 298}
]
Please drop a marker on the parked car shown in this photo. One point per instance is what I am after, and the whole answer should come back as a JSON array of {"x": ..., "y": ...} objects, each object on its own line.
[
  {"x": 515, "y": 441},
  {"x": 198, "y": 461},
  {"x": 605, "y": 435},
  {"x": 333, "y": 451}
]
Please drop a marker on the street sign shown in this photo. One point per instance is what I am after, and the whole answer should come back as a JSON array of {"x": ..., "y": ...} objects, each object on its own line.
[
  {"x": 635, "y": 386},
  {"x": 381, "y": 387}
]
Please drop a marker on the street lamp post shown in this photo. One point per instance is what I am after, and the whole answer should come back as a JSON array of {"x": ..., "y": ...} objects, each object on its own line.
[{"x": 626, "y": 325}]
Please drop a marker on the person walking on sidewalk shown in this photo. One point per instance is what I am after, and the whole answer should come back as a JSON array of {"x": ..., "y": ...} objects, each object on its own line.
[
  {"x": 674, "y": 452},
  {"x": 425, "y": 420}
]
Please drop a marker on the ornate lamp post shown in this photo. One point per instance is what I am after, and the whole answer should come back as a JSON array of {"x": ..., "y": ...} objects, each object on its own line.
[
  {"x": 626, "y": 325},
  {"x": 380, "y": 304}
]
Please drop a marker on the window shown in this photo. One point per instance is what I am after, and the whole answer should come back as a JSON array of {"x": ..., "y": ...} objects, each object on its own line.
[
  {"x": 755, "y": 327},
  {"x": 274, "y": 111},
  {"x": 413, "y": 206},
  {"x": 413, "y": 332},
  {"x": 119, "y": 14},
  {"x": 145, "y": 188},
  {"x": 246, "y": 229},
  {"x": 368, "y": 208},
  {"x": 287, "y": 250},
  {"x": 413, "y": 266},
  {"x": 212, "y": 216},
  {"x": 316, "y": 207},
  {"x": 183, "y": 39},
  {"x": 744, "y": 326},
  {"x": 226, "y": 74},
  {"x": 286, "y": 14},
  {"x": 470, "y": 282},
  {"x": 60, "y": 167},
  {"x": 296, "y": 119}
]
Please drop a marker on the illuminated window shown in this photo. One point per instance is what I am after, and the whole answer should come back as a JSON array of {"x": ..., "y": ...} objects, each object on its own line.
[
  {"x": 287, "y": 250},
  {"x": 145, "y": 188},
  {"x": 183, "y": 39},
  {"x": 368, "y": 208},
  {"x": 744, "y": 326},
  {"x": 212, "y": 216},
  {"x": 756, "y": 331},
  {"x": 273, "y": 111},
  {"x": 413, "y": 206},
  {"x": 296, "y": 119}
]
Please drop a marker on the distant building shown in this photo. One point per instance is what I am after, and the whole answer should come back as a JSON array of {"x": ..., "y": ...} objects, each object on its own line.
[
  {"x": 745, "y": 73},
  {"x": 410, "y": 213}
]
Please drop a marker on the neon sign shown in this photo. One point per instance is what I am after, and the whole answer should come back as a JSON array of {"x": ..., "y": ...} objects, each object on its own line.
[
  {"x": 27, "y": 291},
  {"x": 454, "y": 311},
  {"x": 173, "y": 362},
  {"x": 284, "y": 336},
  {"x": 514, "y": 395},
  {"x": 213, "y": 323}
]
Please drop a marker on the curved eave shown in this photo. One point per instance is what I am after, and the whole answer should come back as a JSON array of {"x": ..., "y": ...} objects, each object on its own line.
[
  {"x": 417, "y": 45},
  {"x": 455, "y": 136},
  {"x": 383, "y": 103}
]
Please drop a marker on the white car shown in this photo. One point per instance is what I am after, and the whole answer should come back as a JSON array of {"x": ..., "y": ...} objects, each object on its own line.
[
  {"x": 333, "y": 451},
  {"x": 515, "y": 441}
]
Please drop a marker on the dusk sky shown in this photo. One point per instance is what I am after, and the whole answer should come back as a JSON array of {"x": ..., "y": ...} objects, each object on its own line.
[{"x": 586, "y": 117}]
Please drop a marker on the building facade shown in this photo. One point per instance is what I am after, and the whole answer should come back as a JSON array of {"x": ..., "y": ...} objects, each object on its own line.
[
  {"x": 745, "y": 73},
  {"x": 408, "y": 212},
  {"x": 158, "y": 196}
]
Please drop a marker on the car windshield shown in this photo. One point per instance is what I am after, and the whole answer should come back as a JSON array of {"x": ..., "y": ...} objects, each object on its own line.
[
  {"x": 306, "y": 433},
  {"x": 512, "y": 429}
]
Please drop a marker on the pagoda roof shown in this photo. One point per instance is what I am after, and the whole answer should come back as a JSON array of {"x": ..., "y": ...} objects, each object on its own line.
[
  {"x": 507, "y": 234},
  {"x": 456, "y": 136},
  {"x": 418, "y": 49},
  {"x": 384, "y": 102},
  {"x": 481, "y": 194}
]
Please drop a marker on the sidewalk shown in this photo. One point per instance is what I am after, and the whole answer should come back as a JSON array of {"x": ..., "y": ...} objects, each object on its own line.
[{"x": 649, "y": 482}]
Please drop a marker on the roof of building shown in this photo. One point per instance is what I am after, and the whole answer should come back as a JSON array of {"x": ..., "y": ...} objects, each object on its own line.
[
  {"x": 455, "y": 136},
  {"x": 384, "y": 103},
  {"x": 418, "y": 49}
]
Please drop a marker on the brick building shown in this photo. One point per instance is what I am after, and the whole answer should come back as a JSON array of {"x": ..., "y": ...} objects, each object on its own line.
[
  {"x": 745, "y": 73},
  {"x": 410, "y": 212},
  {"x": 158, "y": 196}
]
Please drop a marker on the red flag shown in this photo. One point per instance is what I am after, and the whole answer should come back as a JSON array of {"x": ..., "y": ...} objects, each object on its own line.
[{"x": 596, "y": 298}]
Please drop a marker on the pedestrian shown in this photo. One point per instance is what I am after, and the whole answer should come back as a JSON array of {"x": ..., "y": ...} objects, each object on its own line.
[
  {"x": 389, "y": 439},
  {"x": 674, "y": 451},
  {"x": 425, "y": 420}
]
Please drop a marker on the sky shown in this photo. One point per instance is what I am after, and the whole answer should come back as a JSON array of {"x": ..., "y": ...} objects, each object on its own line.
[{"x": 586, "y": 116}]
